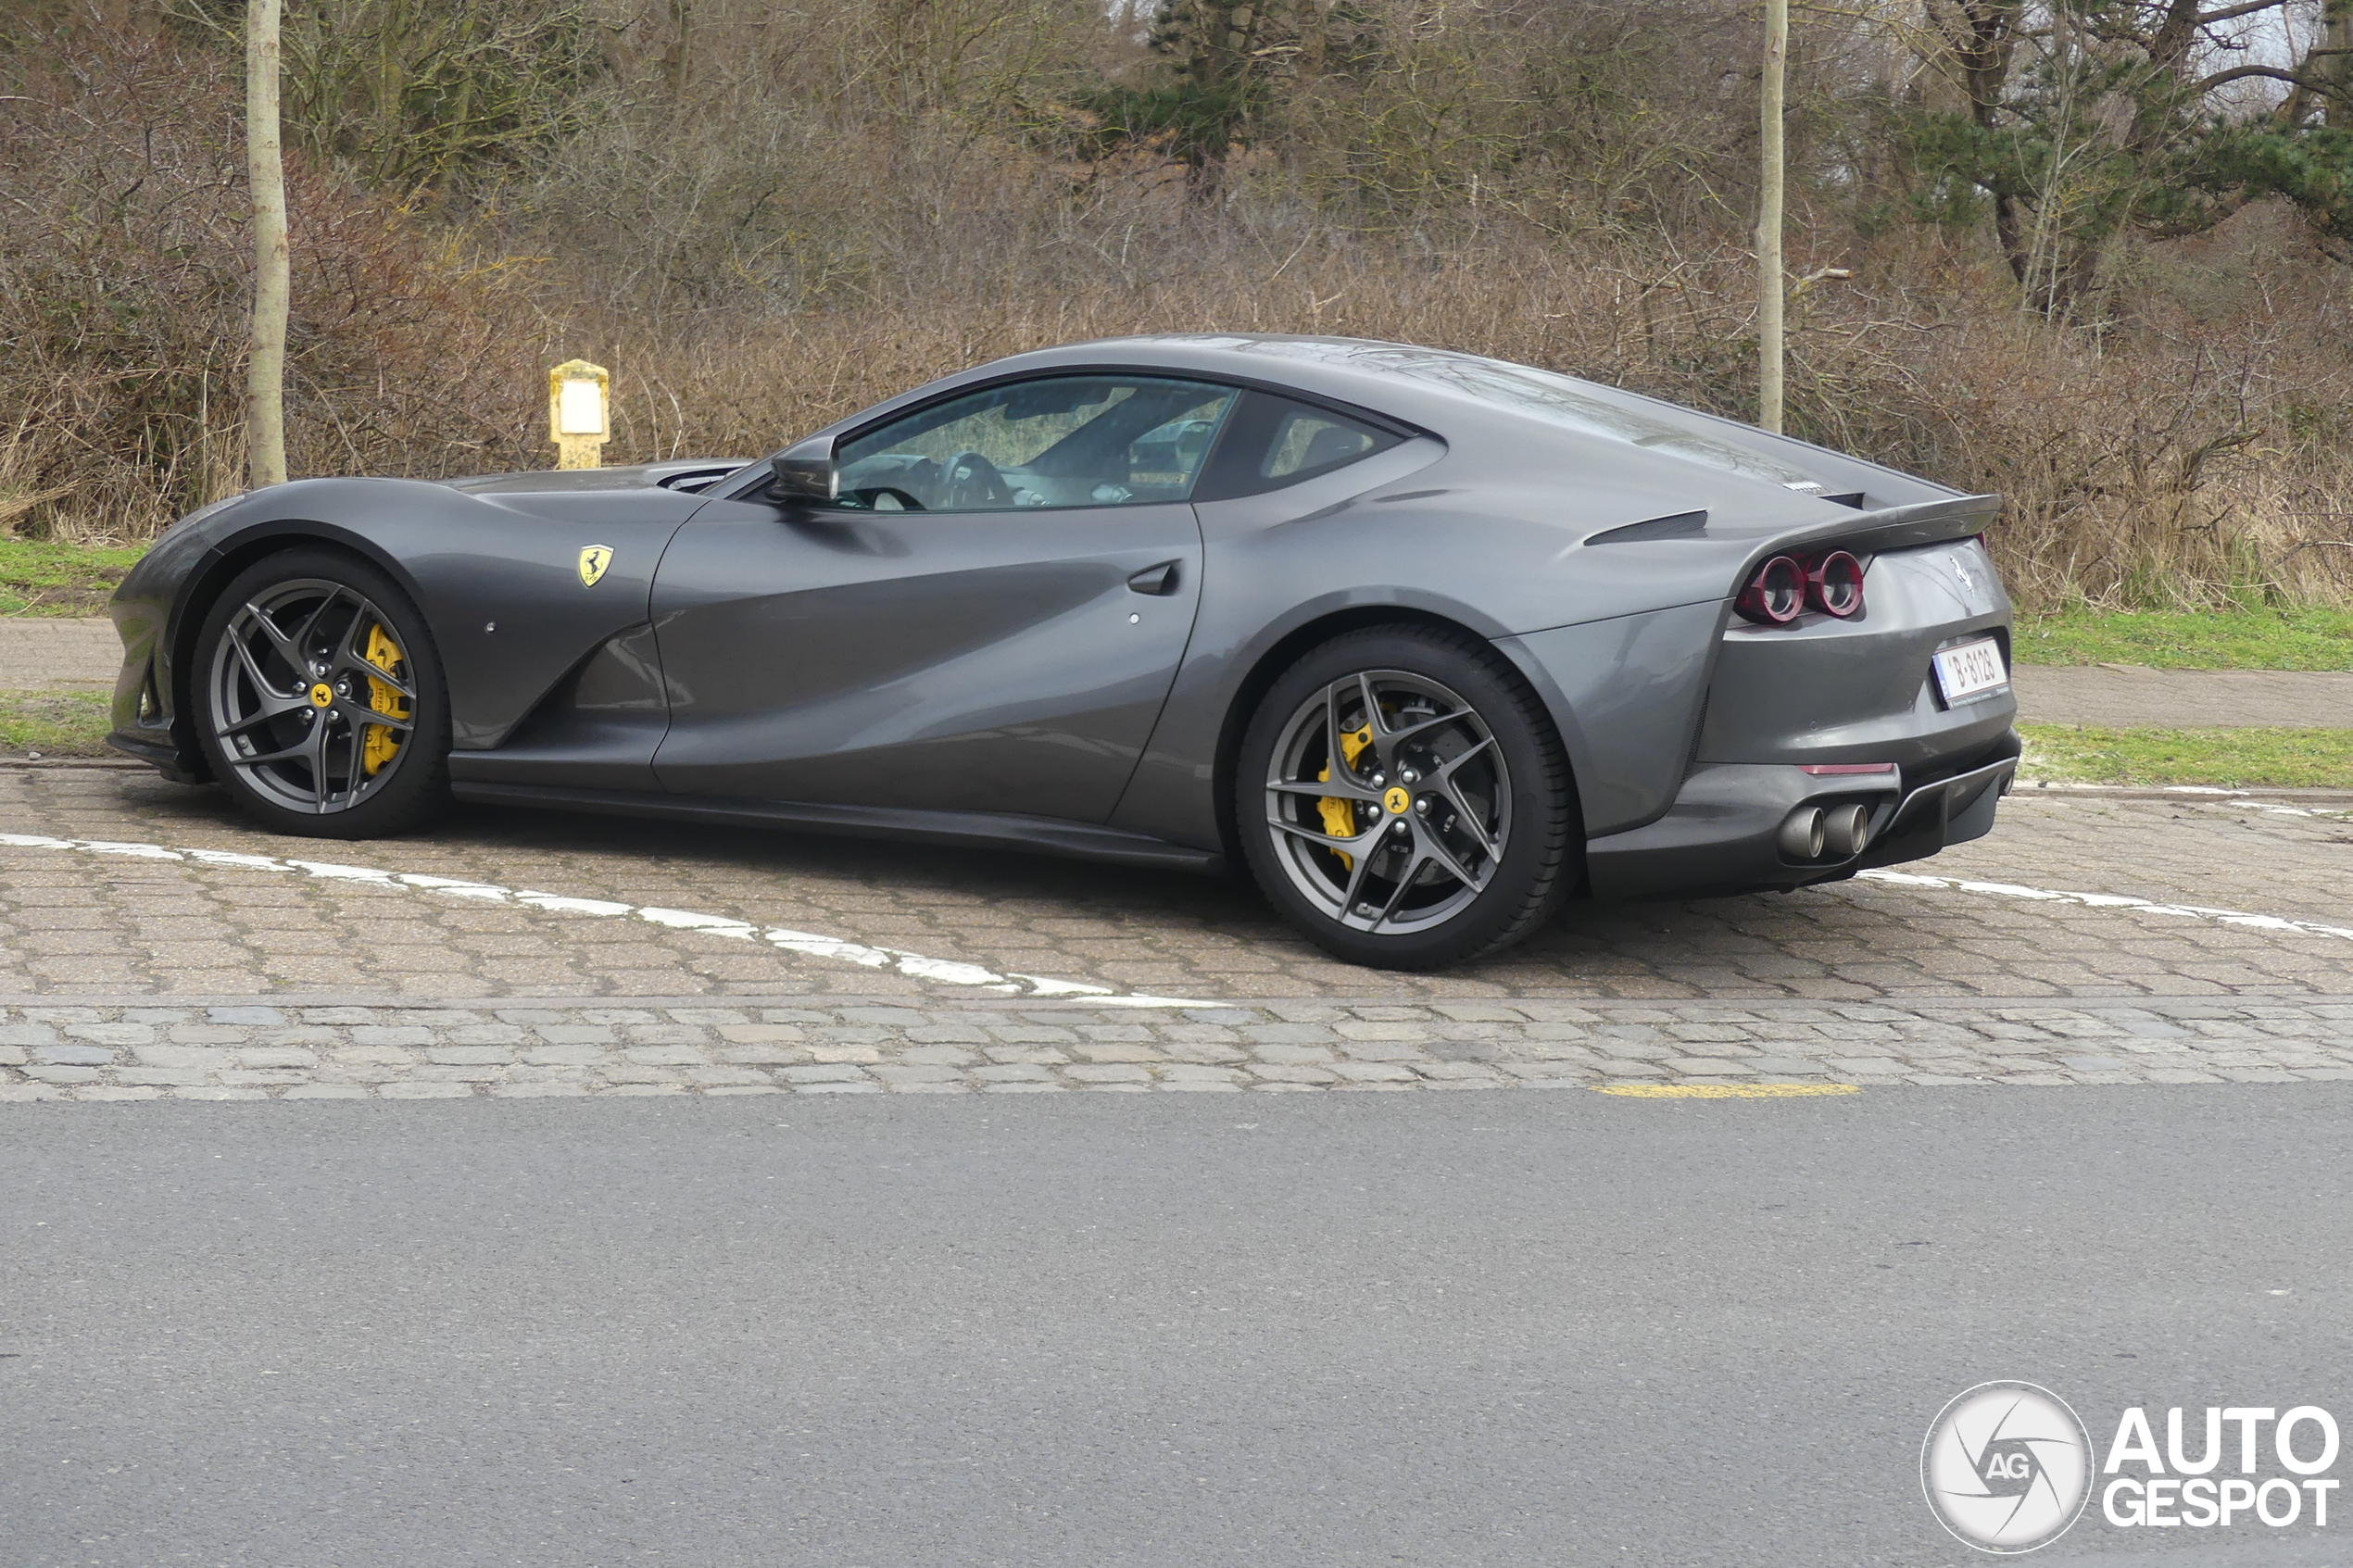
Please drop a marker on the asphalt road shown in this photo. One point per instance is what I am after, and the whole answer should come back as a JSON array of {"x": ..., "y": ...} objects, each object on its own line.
[{"x": 1444, "y": 1329}]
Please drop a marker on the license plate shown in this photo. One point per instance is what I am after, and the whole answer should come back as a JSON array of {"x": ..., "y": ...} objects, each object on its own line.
[{"x": 1972, "y": 669}]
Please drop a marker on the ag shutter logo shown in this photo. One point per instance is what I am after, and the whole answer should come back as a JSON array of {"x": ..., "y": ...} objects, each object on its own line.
[{"x": 2006, "y": 1467}]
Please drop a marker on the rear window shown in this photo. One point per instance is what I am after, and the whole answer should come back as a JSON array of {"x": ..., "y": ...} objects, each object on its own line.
[
  {"x": 1563, "y": 400},
  {"x": 1273, "y": 441},
  {"x": 1311, "y": 440}
]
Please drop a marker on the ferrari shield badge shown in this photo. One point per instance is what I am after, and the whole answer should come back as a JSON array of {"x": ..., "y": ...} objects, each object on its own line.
[{"x": 594, "y": 559}]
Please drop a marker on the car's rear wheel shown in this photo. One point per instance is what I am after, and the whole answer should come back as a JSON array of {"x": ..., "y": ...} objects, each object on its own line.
[
  {"x": 1403, "y": 798},
  {"x": 319, "y": 699}
]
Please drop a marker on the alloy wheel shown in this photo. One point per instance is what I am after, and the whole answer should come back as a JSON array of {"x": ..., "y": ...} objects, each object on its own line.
[
  {"x": 1387, "y": 802},
  {"x": 310, "y": 697}
]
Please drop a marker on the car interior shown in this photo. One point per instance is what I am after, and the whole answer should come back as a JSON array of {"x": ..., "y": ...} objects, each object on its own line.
[{"x": 1092, "y": 441}]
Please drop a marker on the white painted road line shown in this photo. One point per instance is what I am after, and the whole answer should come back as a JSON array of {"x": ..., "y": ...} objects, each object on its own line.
[
  {"x": 945, "y": 972},
  {"x": 2110, "y": 902}
]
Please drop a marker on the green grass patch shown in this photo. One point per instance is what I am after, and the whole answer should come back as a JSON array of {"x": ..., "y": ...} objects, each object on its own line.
[
  {"x": 2223, "y": 759},
  {"x": 55, "y": 723},
  {"x": 41, "y": 578},
  {"x": 2236, "y": 639}
]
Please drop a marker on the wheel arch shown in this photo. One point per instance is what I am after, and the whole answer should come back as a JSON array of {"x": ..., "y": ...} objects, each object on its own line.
[
  {"x": 1288, "y": 650},
  {"x": 220, "y": 566}
]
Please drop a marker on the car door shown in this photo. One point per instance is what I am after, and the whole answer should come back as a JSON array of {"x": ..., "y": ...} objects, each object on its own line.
[{"x": 988, "y": 620}]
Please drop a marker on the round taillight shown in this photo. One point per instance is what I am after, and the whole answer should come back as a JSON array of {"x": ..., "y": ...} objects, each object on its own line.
[
  {"x": 1835, "y": 585},
  {"x": 1776, "y": 595}
]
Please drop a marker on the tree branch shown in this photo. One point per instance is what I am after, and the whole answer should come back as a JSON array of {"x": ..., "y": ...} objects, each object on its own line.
[
  {"x": 2231, "y": 12},
  {"x": 2242, "y": 73}
]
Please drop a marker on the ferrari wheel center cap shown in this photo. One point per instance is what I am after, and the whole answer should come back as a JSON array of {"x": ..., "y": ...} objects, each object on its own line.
[
  {"x": 1397, "y": 800},
  {"x": 322, "y": 695}
]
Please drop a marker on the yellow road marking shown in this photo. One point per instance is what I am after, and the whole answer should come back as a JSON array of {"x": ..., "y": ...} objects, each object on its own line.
[{"x": 1724, "y": 1091}]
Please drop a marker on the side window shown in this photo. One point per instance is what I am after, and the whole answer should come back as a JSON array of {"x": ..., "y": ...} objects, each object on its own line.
[
  {"x": 1272, "y": 441},
  {"x": 1310, "y": 440},
  {"x": 1062, "y": 441}
]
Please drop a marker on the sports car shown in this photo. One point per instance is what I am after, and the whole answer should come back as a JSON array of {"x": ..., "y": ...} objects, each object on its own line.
[{"x": 1425, "y": 644}]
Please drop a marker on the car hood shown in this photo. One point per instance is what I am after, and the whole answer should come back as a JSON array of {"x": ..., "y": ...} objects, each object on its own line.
[{"x": 685, "y": 474}]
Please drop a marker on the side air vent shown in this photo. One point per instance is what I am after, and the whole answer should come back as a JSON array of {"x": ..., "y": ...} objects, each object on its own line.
[
  {"x": 693, "y": 481},
  {"x": 1681, "y": 525}
]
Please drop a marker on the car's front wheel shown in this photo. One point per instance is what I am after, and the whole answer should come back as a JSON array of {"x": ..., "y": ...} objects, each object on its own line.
[
  {"x": 1403, "y": 798},
  {"x": 320, "y": 700}
]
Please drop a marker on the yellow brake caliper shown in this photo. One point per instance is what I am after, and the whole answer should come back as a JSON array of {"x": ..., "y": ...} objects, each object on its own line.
[
  {"x": 379, "y": 742},
  {"x": 1340, "y": 816}
]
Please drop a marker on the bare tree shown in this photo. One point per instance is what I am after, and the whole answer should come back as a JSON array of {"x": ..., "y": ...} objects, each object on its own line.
[{"x": 272, "y": 283}]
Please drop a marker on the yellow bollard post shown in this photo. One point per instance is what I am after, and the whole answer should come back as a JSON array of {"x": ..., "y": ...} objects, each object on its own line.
[{"x": 579, "y": 413}]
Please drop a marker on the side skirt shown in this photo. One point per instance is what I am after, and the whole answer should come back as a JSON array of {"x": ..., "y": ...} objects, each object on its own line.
[
  {"x": 160, "y": 751},
  {"x": 984, "y": 830}
]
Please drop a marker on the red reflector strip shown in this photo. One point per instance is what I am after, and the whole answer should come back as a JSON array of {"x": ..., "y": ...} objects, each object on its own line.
[{"x": 1819, "y": 769}]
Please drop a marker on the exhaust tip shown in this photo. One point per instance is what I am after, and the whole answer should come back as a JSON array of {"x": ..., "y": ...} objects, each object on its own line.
[
  {"x": 1801, "y": 833},
  {"x": 1846, "y": 830}
]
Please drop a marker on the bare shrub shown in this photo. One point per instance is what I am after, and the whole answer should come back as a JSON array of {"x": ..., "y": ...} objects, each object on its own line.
[
  {"x": 826, "y": 217},
  {"x": 2185, "y": 464},
  {"x": 124, "y": 288},
  {"x": 410, "y": 95},
  {"x": 765, "y": 218}
]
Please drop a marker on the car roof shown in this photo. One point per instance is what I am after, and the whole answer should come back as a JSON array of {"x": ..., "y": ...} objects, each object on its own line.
[{"x": 1458, "y": 397}]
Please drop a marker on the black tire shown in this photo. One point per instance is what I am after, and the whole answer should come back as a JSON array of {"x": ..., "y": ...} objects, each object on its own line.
[
  {"x": 1466, "y": 846},
  {"x": 333, "y": 746}
]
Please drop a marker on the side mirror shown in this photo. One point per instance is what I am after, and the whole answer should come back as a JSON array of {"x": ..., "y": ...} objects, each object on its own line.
[{"x": 806, "y": 472}]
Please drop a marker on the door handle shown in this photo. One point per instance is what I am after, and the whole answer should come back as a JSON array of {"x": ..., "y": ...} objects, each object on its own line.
[{"x": 1159, "y": 581}]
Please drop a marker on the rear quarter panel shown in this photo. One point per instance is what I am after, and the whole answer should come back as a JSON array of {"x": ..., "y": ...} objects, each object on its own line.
[
  {"x": 1489, "y": 530},
  {"x": 1490, "y": 536}
]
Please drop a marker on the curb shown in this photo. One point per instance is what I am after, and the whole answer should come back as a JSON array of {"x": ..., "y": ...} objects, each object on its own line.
[
  {"x": 34, "y": 763},
  {"x": 2291, "y": 796}
]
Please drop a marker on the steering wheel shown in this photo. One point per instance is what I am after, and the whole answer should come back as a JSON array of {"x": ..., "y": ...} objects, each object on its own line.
[{"x": 972, "y": 483}]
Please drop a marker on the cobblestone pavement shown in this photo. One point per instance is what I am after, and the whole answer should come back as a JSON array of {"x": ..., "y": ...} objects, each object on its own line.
[
  {"x": 254, "y": 1051},
  {"x": 116, "y": 926},
  {"x": 1925, "y": 981}
]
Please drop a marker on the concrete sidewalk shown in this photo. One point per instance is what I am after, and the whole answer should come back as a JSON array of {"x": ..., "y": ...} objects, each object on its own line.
[
  {"x": 84, "y": 654},
  {"x": 2132, "y": 696},
  {"x": 38, "y": 654}
]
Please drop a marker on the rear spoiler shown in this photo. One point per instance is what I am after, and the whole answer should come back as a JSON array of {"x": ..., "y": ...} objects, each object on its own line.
[
  {"x": 1895, "y": 527},
  {"x": 1889, "y": 528}
]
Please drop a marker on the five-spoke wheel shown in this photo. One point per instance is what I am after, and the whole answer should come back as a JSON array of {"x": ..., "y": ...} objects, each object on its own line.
[
  {"x": 1403, "y": 800},
  {"x": 319, "y": 702}
]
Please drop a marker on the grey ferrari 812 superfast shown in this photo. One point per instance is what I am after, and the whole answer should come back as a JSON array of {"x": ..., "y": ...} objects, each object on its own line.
[{"x": 1427, "y": 644}]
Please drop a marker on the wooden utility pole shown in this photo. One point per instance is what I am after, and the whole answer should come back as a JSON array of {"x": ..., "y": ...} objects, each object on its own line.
[
  {"x": 1768, "y": 219},
  {"x": 272, "y": 283}
]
